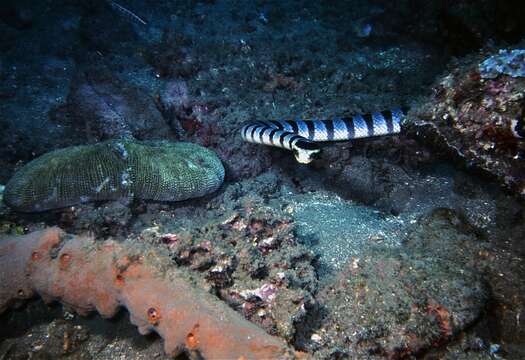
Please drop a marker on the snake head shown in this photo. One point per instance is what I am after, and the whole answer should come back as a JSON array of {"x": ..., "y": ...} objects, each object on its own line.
[{"x": 305, "y": 151}]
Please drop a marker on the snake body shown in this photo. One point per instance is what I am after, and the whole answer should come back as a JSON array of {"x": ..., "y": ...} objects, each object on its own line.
[{"x": 302, "y": 136}]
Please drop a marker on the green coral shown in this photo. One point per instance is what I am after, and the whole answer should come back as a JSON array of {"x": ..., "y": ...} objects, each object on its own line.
[{"x": 163, "y": 171}]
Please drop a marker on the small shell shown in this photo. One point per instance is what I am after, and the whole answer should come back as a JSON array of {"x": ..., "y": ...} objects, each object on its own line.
[{"x": 517, "y": 128}]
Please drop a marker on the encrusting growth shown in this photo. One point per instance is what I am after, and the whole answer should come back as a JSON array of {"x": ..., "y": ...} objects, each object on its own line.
[{"x": 87, "y": 275}]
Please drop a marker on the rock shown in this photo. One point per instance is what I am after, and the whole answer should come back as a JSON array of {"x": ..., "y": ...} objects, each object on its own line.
[
  {"x": 397, "y": 304},
  {"x": 478, "y": 121},
  {"x": 107, "y": 108},
  {"x": 357, "y": 179}
]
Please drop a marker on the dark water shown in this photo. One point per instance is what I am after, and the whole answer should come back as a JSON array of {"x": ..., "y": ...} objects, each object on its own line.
[{"x": 381, "y": 234}]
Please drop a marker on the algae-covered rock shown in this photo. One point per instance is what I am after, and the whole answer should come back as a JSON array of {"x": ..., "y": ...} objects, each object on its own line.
[
  {"x": 112, "y": 170},
  {"x": 476, "y": 114},
  {"x": 395, "y": 305}
]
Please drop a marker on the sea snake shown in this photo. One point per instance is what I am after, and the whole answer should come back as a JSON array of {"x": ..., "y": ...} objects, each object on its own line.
[{"x": 301, "y": 137}]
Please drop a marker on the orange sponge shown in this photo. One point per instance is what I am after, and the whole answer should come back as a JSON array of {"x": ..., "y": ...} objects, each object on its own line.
[{"x": 92, "y": 275}]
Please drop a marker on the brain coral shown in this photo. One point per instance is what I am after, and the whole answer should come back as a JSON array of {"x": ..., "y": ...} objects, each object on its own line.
[{"x": 112, "y": 170}]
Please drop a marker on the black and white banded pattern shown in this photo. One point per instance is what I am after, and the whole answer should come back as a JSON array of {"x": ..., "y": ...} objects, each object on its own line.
[{"x": 301, "y": 136}]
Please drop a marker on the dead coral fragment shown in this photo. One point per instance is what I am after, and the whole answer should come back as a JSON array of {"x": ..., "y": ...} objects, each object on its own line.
[
  {"x": 127, "y": 13},
  {"x": 88, "y": 276}
]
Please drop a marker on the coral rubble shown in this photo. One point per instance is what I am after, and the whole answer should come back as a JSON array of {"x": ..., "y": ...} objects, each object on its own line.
[
  {"x": 87, "y": 275},
  {"x": 243, "y": 250}
]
